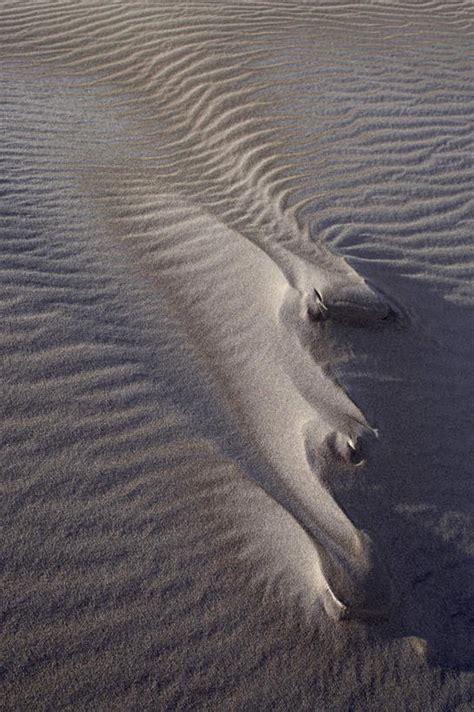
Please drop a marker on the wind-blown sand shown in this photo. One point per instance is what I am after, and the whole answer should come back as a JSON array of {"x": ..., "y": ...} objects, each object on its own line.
[{"x": 236, "y": 355}]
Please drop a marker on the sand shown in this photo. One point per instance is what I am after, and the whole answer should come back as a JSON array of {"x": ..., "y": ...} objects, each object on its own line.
[{"x": 236, "y": 355}]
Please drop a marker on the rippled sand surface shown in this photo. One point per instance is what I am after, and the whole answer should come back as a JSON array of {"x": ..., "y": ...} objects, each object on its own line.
[{"x": 236, "y": 355}]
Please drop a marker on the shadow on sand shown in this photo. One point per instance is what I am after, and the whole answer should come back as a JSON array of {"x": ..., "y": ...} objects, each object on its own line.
[{"x": 415, "y": 496}]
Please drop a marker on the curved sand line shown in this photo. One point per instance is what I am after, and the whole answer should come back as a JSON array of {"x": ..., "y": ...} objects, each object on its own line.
[
  {"x": 290, "y": 412},
  {"x": 202, "y": 103},
  {"x": 143, "y": 568},
  {"x": 208, "y": 114},
  {"x": 303, "y": 410}
]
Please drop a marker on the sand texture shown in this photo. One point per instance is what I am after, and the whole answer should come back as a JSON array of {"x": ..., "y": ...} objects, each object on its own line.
[{"x": 236, "y": 355}]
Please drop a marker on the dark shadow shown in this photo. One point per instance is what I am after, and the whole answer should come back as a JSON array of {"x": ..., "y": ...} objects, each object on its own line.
[{"x": 415, "y": 496}]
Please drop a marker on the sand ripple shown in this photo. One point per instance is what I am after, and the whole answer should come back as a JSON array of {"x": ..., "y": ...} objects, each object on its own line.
[{"x": 199, "y": 204}]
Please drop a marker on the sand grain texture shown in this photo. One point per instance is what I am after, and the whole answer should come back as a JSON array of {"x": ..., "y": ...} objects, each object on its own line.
[{"x": 236, "y": 259}]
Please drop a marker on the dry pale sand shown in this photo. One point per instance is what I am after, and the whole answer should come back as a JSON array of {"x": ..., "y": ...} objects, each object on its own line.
[{"x": 236, "y": 248}]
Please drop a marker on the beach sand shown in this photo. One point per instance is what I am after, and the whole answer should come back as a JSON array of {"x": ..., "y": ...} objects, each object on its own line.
[{"x": 236, "y": 355}]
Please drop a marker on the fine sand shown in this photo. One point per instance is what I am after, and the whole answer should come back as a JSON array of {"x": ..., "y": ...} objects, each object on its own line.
[{"x": 236, "y": 355}]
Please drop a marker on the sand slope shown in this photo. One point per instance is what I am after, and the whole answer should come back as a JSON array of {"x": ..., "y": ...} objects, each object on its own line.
[{"x": 182, "y": 506}]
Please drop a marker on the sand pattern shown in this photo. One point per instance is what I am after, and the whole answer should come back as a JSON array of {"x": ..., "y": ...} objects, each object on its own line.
[{"x": 236, "y": 357}]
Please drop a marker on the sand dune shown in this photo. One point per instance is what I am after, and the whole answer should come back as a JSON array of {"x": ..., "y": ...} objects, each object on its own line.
[{"x": 236, "y": 354}]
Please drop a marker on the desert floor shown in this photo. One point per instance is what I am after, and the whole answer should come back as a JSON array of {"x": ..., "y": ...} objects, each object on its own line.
[{"x": 236, "y": 355}]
